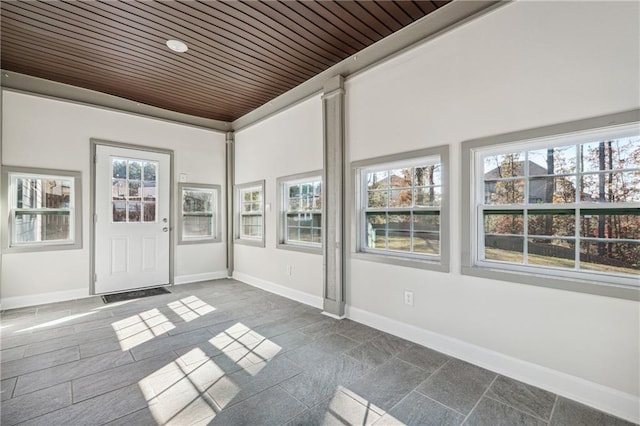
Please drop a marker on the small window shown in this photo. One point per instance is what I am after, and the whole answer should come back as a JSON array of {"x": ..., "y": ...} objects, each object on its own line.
[
  {"x": 565, "y": 205},
  {"x": 134, "y": 189},
  {"x": 200, "y": 215},
  {"x": 42, "y": 209},
  {"x": 402, "y": 202},
  {"x": 300, "y": 204},
  {"x": 250, "y": 213}
]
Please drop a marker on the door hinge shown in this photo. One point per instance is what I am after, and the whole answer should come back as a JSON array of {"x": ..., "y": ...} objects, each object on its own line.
[
  {"x": 95, "y": 218},
  {"x": 95, "y": 159},
  {"x": 95, "y": 278}
]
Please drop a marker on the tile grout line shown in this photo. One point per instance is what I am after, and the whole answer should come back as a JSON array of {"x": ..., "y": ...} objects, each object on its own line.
[
  {"x": 517, "y": 409},
  {"x": 553, "y": 409},
  {"x": 480, "y": 399}
]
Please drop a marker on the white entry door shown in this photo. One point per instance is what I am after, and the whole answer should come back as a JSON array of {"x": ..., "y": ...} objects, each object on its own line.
[{"x": 132, "y": 219}]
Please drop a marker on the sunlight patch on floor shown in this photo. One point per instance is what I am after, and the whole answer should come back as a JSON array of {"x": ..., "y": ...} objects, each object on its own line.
[
  {"x": 140, "y": 328},
  {"x": 56, "y": 322},
  {"x": 190, "y": 308}
]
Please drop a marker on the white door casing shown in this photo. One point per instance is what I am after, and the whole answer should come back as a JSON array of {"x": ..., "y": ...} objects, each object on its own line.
[{"x": 132, "y": 222}]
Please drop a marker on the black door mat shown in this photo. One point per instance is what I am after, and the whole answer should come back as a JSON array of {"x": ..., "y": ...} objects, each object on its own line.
[{"x": 135, "y": 294}]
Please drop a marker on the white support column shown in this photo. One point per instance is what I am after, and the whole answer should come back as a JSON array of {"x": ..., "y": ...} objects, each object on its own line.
[
  {"x": 230, "y": 154},
  {"x": 333, "y": 236}
]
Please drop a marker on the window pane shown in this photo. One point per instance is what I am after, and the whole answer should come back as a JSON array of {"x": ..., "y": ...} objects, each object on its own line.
[
  {"x": 119, "y": 189},
  {"x": 426, "y": 232},
  {"x": 556, "y": 253},
  {"x": 428, "y": 176},
  {"x": 552, "y": 190},
  {"x": 293, "y": 234},
  {"x": 305, "y": 235},
  {"x": 33, "y": 227},
  {"x": 294, "y": 191},
  {"x": 135, "y": 189},
  {"x": 496, "y": 222},
  {"x": 317, "y": 220},
  {"x": 552, "y": 161},
  {"x": 377, "y": 199},
  {"x": 613, "y": 154},
  {"x": 149, "y": 212},
  {"x": 150, "y": 171},
  {"x": 197, "y": 226},
  {"x": 119, "y": 211},
  {"x": 554, "y": 224},
  {"x": 377, "y": 180},
  {"x": 400, "y": 198},
  {"x": 401, "y": 178},
  {"x": 610, "y": 224},
  {"x": 504, "y": 192},
  {"x": 428, "y": 197},
  {"x": 134, "y": 208},
  {"x": 294, "y": 204},
  {"x": 613, "y": 187},
  {"x": 503, "y": 248},
  {"x": 316, "y": 235},
  {"x": 119, "y": 168},
  {"x": 376, "y": 230},
  {"x": 43, "y": 193},
  {"x": 399, "y": 232},
  {"x": 317, "y": 188},
  {"x": 504, "y": 166},
  {"x": 612, "y": 257},
  {"x": 194, "y": 201},
  {"x": 135, "y": 170}
]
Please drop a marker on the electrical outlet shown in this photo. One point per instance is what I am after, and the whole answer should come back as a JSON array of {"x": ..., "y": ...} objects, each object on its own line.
[
  {"x": 408, "y": 297},
  {"x": 288, "y": 269}
]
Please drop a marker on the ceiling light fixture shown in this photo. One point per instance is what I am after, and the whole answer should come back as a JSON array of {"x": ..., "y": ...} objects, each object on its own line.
[{"x": 177, "y": 46}]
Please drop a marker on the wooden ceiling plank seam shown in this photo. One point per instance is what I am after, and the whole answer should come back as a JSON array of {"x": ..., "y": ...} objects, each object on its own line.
[
  {"x": 193, "y": 92},
  {"x": 278, "y": 31},
  {"x": 383, "y": 16},
  {"x": 116, "y": 91},
  {"x": 132, "y": 82},
  {"x": 282, "y": 54},
  {"x": 241, "y": 55},
  {"x": 329, "y": 16},
  {"x": 325, "y": 28},
  {"x": 362, "y": 14},
  {"x": 242, "y": 22},
  {"x": 412, "y": 10},
  {"x": 396, "y": 11},
  {"x": 128, "y": 49},
  {"x": 314, "y": 43},
  {"x": 343, "y": 15},
  {"x": 115, "y": 63},
  {"x": 440, "y": 3},
  {"x": 233, "y": 66},
  {"x": 426, "y": 6},
  {"x": 351, "y": 43}
]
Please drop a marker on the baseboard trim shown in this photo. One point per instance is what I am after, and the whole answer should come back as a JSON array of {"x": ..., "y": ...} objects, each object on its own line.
[
  {"x": 194, "y": 278},
  {"x": 42, "y": 298},
  {"x": 289, "y": 293},
  {"x": 601, "y": 397}
]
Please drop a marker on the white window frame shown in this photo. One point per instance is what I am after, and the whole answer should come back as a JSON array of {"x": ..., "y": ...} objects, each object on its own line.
[
  {"x": 9, "y": 176},
  {"x": 240, "y": 190},
  {"x": 215, "y": 191},
  {"x": 574, "y": 133},
  {"x": 439, "y": 155},
  {"x": 283, "y": 184}
]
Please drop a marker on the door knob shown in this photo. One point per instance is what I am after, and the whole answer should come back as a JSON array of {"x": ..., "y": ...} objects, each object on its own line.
[{"x": 165, "y": 229}]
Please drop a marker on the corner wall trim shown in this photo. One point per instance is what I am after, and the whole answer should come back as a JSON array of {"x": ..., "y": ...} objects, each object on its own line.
[
  {"x": 195, "y": 278},
  {"x": 289, "y": 293},
  {"x": 42, "y": 298},
  {"x": 601, "y": 397}
]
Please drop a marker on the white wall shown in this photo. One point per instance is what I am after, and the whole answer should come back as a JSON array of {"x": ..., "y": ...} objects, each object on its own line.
[
  {"x": 46, "y": 133},
  {"x": 286, "y": 144},
  {"x": 525, "y": 65}
]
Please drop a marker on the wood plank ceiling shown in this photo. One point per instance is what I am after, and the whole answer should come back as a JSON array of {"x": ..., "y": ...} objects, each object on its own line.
[{"x": 241, "y": 53}]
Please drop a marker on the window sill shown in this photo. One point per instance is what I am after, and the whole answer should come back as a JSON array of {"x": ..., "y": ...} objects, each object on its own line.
[
  {"x": 553, "y": 281},
  {"x": 200, "y": 241},
  {"x": 431, "y": 265},
  {"x": 29, "y": 248},
  {"x": 247, "y": 242},
  {"x": 300, "y": 248}
]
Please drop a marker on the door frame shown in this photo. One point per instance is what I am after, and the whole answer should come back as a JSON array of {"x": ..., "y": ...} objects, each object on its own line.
[{"x": 92, "y": 204}]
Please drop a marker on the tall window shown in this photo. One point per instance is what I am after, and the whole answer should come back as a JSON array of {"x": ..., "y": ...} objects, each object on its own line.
[
  {"x": 200, "y": 216},
  {"x": 42, "y": 209},
  {"x": 568, "y": 206},
  {"x": 250, "y": 224},
  {"x": 400, "y": 207},
  {"x": 300, "y": 222}
]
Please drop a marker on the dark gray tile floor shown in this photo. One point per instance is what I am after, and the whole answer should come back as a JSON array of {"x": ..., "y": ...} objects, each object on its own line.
[{"x": 225, "y": 353}]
